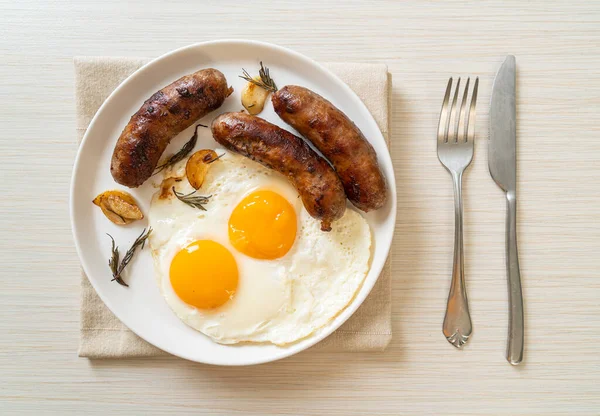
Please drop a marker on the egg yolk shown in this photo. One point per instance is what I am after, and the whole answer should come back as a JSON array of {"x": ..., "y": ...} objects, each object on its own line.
[
  {"x": 204, "y": 274},
  {"x": 263, "y": 225}
]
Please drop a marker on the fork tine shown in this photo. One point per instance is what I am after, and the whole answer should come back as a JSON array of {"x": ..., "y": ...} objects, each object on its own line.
[
  {"x": 452, "y": 118},
  {"x": 471, "y": 116},
  {"x": 460, "y": 126},
  {"x": 442, "y": 132}
]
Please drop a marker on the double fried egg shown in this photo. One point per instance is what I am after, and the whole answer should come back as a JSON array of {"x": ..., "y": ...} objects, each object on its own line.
[{"x": 255, "y": 266}]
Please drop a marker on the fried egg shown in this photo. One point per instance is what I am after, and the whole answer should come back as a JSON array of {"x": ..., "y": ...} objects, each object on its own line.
[{"x": 255, "y": 266}]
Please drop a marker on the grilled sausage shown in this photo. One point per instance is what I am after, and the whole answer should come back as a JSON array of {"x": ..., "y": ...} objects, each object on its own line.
[
  {"x": 338, "y": 138},
  {"x": 162, "y": 117},
  {"x": 319, "y": 187}
]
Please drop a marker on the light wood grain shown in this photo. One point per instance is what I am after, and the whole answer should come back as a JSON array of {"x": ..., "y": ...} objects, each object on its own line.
[{"x": 556, "y": 45}]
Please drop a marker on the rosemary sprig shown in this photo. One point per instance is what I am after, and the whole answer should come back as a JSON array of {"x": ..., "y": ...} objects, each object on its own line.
[
  {"x": 197, "y": 201},
  {"x": 265, "y": 82},
  {"x": 117, "y": 267},
  {"x": 185, "y": 150}
]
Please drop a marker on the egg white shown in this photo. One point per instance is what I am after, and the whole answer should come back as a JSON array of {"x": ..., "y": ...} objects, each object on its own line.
[{"x": 278, "y": 301}]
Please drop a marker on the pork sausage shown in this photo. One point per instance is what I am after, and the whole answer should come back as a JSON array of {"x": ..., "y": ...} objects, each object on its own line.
[
  {"x": 163, "y": 116},
  {"x": 319, "y": 187},
  {"x": 339, "y": 139}
]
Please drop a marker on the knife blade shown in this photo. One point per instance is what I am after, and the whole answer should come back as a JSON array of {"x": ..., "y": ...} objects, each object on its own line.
[
  {"x": 502, "y": 162},
  {"x": 502, "y": 146}
]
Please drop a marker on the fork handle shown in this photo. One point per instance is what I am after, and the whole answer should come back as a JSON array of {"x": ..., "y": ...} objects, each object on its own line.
[
  {"x": 516, "y": 327},
  {"x": 457, "y": 322}
]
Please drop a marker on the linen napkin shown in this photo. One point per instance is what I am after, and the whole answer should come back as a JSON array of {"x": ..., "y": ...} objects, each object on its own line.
[{"x": 102, "y": 335}]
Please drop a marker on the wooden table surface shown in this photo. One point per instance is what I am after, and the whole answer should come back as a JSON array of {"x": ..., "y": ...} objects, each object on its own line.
[{"x": 558, "y": 56}]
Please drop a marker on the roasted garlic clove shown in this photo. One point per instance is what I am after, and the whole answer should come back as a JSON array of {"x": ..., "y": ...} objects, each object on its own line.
[
  {"x": 119, "y": 207},
  {"x": 254, "y": 97},
  {"x": 197, "y": 166}
]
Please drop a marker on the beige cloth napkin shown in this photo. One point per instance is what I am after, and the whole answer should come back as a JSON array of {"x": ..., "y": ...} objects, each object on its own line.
[{"x": 102, "y": 335}]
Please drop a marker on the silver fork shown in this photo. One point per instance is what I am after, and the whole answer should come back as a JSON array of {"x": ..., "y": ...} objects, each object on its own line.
[{"x": 455, "y": 140}]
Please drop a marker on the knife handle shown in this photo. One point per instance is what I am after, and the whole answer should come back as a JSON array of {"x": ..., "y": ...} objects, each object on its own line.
[{"x": 516, "y": 327}]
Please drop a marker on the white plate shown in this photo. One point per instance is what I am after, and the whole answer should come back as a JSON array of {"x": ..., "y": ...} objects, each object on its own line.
[{"x": 141, "y": 307}]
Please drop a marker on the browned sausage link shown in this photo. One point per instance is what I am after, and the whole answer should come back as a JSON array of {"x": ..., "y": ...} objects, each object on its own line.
[
  {"x": 162, "y": 117},
  {"x": 319, "y": 187},
  {"x": 338, "y": 138}
]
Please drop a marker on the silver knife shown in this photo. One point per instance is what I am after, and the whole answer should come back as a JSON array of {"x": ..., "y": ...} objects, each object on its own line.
[{"x": 502, "y": 160}]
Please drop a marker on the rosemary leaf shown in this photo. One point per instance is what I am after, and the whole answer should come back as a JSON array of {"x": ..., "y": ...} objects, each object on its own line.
[
  {"x": 265, "y": 82},
  {"x": 113, "y": 262},
  {"x": 216, "y": 158},
  {"x": 197, "y": 201},
  {"x": 185, "y": 150}
]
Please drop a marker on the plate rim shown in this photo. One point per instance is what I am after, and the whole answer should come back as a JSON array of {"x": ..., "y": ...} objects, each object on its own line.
[{"x": 351, "y": 308}]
